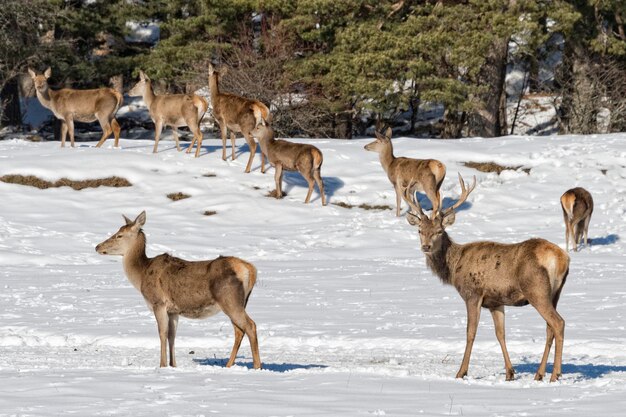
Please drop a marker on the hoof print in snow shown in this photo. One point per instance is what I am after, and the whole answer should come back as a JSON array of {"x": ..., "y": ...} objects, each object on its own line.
[{"x": 177, "y": 196}]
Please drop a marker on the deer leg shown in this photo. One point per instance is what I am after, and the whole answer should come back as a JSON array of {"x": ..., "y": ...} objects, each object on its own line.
[
  {"x": 320, "y": 184},
  {"x": 171, "y": 335},
  {"x": 116, "y": 131},
  {"x": 262, "y": 161},
  {"x": 556, "y": 326},
  {"x": 498, "y": 321},
  {"x": 278, "y": 178},
  {"x": 238, "y": 339},
  {"x": 160, "y": 313},
  {"x": 105, "y": 124},
  {"x": 223, "y": 132},
  {"x": 176, "y": 138},
  {"x": 398, "y": 199},
  {"x": 232, "y": 145},
  {"x": 252, "y": 145},
  {"x": 70, "y": 128},
  {"x": 234, "y": 309},
  {"x": 473, "y": 316},
  {"x": 541, "y": 371},
  {"x": 586, "y": 229},
  {"x": 63, "y": 133},
  {"x": 433, "y": 195},
  {"x": 158, "y": 126},
  {"x": 307, "y": 173}
]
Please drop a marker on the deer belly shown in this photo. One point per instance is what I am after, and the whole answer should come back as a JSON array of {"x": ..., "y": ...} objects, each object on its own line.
[
  {"x": 85, "y": 117},
  {"x": 201, "y": 312}
]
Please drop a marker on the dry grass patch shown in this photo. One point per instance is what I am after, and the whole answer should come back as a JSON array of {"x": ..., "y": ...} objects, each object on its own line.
[
  {"x": 273, "y": 194},
  {"x": 40, "y": 183},
  {"x": 210, "y": 212},
  {"x": 209, "y": 175},
  {"x": 177, "y": 196},
  {"x": 493, "y": 167},
  {"x": 363, "y": 206}
]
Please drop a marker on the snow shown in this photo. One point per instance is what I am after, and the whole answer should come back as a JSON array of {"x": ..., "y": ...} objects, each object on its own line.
[{"x": 350, "y": 320}]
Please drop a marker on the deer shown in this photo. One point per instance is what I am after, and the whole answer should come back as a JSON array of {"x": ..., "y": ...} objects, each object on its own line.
[
  {"x": 426, "y": 174},
  {"x": 577, "y": 205},
  {"x": 289, "y": 156},
  {"x": 237, "y": 114},
  {"x": 174, "y": 287},
  {"x": 492, "y": 275},
  {"x": 69, "y": 105},
  {"x": 173, "y": 110}
]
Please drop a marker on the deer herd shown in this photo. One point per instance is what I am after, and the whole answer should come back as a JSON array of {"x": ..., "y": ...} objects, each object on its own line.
[{"x": 486, "y": 274}]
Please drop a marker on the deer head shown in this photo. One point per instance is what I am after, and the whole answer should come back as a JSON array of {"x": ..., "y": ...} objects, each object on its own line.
[
  {"x": 123, "y": 240},
  {"x": 381, "y": 142},
  {"x": 141, "y": 85},
  {"x": 432, "y": 229},
  {"x": 40, "y": 81}
]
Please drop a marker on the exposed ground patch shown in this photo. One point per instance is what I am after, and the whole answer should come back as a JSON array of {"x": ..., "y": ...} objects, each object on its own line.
[
  {"x": 210, "y": 212},
  {"x": 40, "y": 183},
  {"x": 177, "y": 196},
  {"x": 209, "y": 175},
  {"x": 493, "y": 167},
  {"x": 363, "y": 206}
]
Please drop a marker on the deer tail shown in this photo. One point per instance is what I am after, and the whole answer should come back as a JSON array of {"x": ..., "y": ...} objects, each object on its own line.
[
  {"x": 201, "y": 104},
  {"x": 262, "y": 114},
  {"x": 567, "y": 202},
  {"x": 120, "y": 99},
  {"x": 318, "y": 159}
]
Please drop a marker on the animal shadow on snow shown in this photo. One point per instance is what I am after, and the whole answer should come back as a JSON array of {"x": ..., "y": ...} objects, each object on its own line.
[
  {"x": 447, "y": 202},
  {"x": 587, "y": 371},
  {"x": 273, "y": 367},
  {"x": 604, "y": 240}
]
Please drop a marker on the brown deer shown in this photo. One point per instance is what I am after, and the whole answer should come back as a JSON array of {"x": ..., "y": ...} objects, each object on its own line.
[
  {"x": 172, "y": 286},
  {"x": 426, "y": 174},
  {"x": 69, "y": 105},
  {"x": 577, "y": 207},
  {"x": 492, "y": 275},
  {"x": 239, "y": 114},
  {"x": 173, "y": 110},
  {"x": 284, "y": 155}
]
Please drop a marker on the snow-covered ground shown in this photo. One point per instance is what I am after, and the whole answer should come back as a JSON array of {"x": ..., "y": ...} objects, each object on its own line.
[{"x": 350, "y": 320}]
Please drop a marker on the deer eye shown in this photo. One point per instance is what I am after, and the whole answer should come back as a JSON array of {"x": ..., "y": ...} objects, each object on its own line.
[{"x": 118, "y": 236}]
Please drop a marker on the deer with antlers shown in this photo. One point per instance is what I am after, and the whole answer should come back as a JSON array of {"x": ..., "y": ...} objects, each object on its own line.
[
  {"x": 173, "y": 110},
  {"x": 69, "y": 105},
  {"x": 426, "y": 175},
  {"x": 174, "y": 287},
  {"x": 577, "y": 205},
  {"x": 493, "y": 275},
  {"x": 237, "y": 114}
]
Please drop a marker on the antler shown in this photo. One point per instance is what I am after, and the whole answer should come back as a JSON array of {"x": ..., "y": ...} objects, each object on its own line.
[
  {"x": 465, "y": 192},
  {"x": 414, "y": 203}
]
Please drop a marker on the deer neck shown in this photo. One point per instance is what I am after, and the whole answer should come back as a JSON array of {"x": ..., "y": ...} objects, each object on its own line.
[
  {"x": 136, "y": 261},
  {"x": 386, "y": 157},
  {"x": 148, "y": 94},
  {"x": 46, "y": 98},
  {"x": 214, "y": 88},
  {"x": 443, "y": 262}
]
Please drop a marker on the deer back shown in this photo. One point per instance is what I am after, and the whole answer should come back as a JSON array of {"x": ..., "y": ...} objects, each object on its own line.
[
  {"x": 190, "y": 288},
  {"x": 421, "y": 172}
]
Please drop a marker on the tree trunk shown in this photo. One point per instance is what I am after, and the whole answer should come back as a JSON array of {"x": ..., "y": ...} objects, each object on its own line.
[
  {"x": 10, "y": 102},
  {"x": 342, "y": 125},
  {"x": 489, "y": 118},
  {"x": 453, "y": 122}
]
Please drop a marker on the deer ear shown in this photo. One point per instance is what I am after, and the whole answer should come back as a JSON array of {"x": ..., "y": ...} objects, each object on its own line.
[
  {"x": 47, "y": 73},
  {"x": 32, "y": 73},
  {"x": 388, "y": 133},
  {"x": 448, "y": 219},
  {"x": 127, "y": 220},
  {"x": 141, "y": 219}
]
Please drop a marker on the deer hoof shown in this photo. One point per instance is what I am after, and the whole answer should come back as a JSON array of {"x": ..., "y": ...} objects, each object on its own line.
[
  {"x": 538, "y": 377},
  {"x": 510, "y": 375}
]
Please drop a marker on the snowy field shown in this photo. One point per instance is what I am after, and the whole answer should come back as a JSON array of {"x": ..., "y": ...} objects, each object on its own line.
[{"x": 350, "y": 320}]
